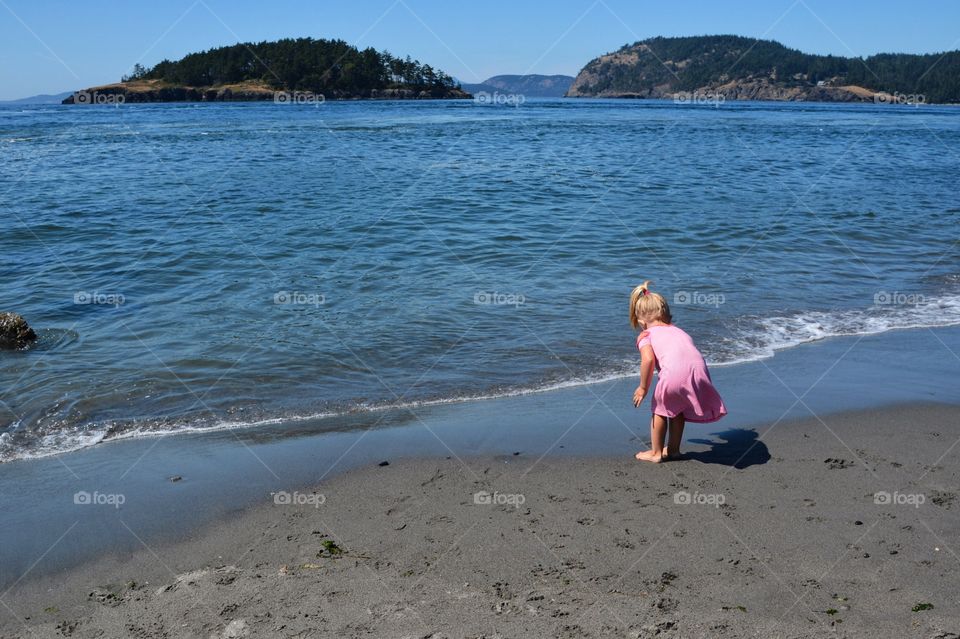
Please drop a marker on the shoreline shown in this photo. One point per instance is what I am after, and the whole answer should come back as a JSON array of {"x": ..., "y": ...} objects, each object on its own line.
[
  {"x": 224, "y": 472},
  {"x": 622, "y": 98},
  {"x": 736, "y": 540},
  {"x": 455, "y": 400}
]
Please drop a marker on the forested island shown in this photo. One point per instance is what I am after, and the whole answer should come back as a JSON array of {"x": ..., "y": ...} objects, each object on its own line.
[
  {"x": 724, "y": 67},
  {"x": 738, "y": 68},
  {"x": 332, "y": 69}
]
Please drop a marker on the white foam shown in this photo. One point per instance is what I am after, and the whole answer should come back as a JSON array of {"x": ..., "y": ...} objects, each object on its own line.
[
  {"x": 51, "y": 444},
  {"x": 772, "y": 334}
]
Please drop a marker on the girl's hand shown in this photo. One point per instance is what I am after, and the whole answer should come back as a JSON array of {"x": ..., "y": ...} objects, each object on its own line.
[{"x": 638, "y": 396}]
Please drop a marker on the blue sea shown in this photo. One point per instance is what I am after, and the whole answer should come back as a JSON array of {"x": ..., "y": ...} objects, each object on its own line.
[{"x": 213, "y": 266}]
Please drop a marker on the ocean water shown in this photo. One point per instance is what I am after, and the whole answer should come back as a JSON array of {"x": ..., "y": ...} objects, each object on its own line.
[{"x": 215, "y": 266}]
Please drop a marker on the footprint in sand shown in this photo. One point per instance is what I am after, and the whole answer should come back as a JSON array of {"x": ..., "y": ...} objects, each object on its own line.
[
  {"x": 942, "y": 498},
  {"x": 834, "y": 464}
]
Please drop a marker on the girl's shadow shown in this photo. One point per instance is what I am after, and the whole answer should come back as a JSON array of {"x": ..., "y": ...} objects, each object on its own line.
[{"x": 739, "y": 447}]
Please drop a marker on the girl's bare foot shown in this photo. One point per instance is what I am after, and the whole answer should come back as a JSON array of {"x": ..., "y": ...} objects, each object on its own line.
[
  {"x": 650, "y": 456},
  {"x": 668, "y": 456}
]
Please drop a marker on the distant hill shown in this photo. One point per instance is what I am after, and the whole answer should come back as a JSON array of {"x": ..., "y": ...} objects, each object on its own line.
[
  {"x": 43, "y": 98},
  {"x": 531, "y": 86},
  {"x": 333, "y": 69},
  {"x": 739, "y": 68}
]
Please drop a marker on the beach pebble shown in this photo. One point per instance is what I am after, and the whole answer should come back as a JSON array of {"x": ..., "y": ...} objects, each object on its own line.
[
  {"x": 384, "y": 463},
  {"x": 234, "y": 629}
]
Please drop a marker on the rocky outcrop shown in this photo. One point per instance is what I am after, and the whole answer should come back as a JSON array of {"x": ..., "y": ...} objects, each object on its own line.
[
  {"x": 751, "y": 89},
  {"x": 15, "y": 333},
  {"x": 710, "y": 69},
  {"x": 153, "y": 91}
]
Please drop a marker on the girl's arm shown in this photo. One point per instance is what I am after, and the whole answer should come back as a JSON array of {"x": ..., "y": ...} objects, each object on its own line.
[{"x": 647, "y": 361}]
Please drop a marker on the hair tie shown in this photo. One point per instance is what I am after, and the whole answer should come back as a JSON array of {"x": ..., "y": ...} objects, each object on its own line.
[{"x": 643, "y": 292}]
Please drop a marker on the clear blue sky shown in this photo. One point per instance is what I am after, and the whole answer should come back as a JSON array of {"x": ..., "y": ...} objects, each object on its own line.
[{"x": 49, "y": 46}]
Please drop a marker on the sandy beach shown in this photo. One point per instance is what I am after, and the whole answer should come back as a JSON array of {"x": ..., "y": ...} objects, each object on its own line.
[
  {"x": 843, "y": 525},
  {"x": 319, "y": 320}
]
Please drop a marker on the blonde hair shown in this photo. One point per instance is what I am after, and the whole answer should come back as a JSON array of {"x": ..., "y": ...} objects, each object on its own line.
[{"x": 647, "y": 306}]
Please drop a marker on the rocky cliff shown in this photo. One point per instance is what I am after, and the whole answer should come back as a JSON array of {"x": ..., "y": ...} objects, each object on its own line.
[{"x": 717, "y": 68}]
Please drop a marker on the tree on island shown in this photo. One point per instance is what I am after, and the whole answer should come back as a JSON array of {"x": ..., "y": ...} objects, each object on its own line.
[
  {"x": 302, "y": 64},
  {"x": 138, "y": 73}
]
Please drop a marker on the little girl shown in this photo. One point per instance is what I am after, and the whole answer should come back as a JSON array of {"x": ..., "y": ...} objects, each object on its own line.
[{"x": 684, "y": 390}]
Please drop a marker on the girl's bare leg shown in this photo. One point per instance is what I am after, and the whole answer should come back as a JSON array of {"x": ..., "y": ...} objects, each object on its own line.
[
  {"x": 658, "y": 432},
  {"x": 676, "y": 435}
]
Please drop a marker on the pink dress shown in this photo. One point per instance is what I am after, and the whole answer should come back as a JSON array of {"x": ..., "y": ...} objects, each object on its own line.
[{"x": 683, "y": 384}]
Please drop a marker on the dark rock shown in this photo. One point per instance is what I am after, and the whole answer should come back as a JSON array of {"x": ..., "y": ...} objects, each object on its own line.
[
  {"x": 384, "y": 463},
  {"x": 15, "y": 333}
]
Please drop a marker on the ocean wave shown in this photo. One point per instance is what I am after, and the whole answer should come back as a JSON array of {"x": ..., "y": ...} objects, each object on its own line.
[
  {"x": 755, "y": 337},
  {"x": 57, "y": 441},
  {"x": 761, "y": 337}
]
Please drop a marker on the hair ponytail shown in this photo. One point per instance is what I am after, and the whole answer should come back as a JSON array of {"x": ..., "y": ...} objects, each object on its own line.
[{"x": 647, "y": 306}]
